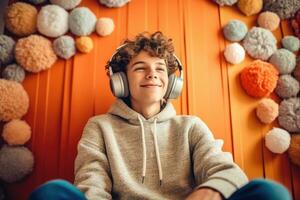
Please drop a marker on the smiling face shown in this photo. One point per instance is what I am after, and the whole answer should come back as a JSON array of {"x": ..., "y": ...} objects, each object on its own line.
[{"x": 147, "y": 78}]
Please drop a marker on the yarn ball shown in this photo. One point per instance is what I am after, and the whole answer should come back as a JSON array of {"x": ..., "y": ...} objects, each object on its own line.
[
  {"x": 284, "y": 8},
  {"x": 114, "y": 3},
  {"x": 291, "y": 43},
  {"x": 277, "y": 140},
  {"x": 82, "y": 21},
  {"x": 15, "y": 162},
  {"x": 16, "y": 132},
  {"x": 14, "y": 72},
  {"x": 105, "y": 26},
  {"x": 250, "y": 7},
  {"x": 64, "y": 47},
  {"x": 35, "y": 53},
  {"x": 14, "y": 100},
  {"x": 235, "y": 30},
  {"x": 7, "y": 45},
  {"x": 225, "y": 2},
  {"x": 267, "y": 110},
  {"x": 84, "y": 44},
  {"x": 36, "y": 2},
  {"x": 259, "y": 78},
  {"x": 234, "y": 53},
  {"x": 260, "y": 43},
  {"x": 52, "y": 21},
  {"x": 68, "y": 5},
  {"x": 268, "y": 20},
  {"x": 295, "y": 23},
  {"x": 20, "y": 19},
  {"x": 296, "y": 71},
  {"x": 284, "y": 61},
  {"x": 287, "y": 86},
  {"x": 294, "y": 150},
  {"x": 289, "y": 116}
]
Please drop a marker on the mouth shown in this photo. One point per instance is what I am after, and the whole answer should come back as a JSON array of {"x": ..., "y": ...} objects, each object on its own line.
[{"x": 151, "y": 85}]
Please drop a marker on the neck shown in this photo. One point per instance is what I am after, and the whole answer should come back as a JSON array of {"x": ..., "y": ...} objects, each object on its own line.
[{"x": 148, "y": 110}]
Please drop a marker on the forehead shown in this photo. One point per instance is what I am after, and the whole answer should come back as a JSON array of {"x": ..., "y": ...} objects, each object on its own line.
[{"x": 145, "y": 57}]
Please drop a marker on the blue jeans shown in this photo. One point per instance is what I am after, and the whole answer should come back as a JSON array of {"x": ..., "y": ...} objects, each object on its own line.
[{"x": 258, "y": 189}]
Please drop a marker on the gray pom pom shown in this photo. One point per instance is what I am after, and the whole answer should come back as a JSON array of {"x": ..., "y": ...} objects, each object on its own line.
[
  {"x": 291, "y": 43},
  {"x": 36, "y": 2},
  {"x": 284, "y": 61},
  {"x": 289, "y": 116},
  {"x": 7, "y": 45},
  {"x": 82, "y": 21},
  {"x": 283, "y": 8},
  {"x": 64, "y": 47},
  {"x": 235, "y": 30},
  {"x": 114, "y": 3},
  {"x": 287, "y": 86},
  {"x": 14, "y": 72},
  {"x": 68, "y": 5}
]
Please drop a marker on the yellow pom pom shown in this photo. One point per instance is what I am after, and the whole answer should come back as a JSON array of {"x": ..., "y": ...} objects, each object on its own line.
[{"x": 84, "y": 44}]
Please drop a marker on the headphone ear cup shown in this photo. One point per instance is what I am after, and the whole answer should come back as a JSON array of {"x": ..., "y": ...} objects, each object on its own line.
[
  {"x": 174, "y": 87},
  {"x": 119, "y": 85}
]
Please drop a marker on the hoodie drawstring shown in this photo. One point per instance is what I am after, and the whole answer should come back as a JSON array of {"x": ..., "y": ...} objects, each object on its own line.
[{"x": 145, "y": 151}]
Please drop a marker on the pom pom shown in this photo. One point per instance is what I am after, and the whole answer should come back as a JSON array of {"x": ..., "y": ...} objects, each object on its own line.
[
  {"x": 7, "y": 45},
  {"x": 84, "y": 44},
  {"x": 291, "y": 43},
  {"x": 36, "y": 2},
  {"x": 225, "y": 2},
  {"x": 105, "y": 26},
  {"x": 15, "y": 162},
  {"x": 114, "y": 3},
  {"x": 52, "y": 21},
  {"x": 284, "y": 8},
  {"x": 284, "y": 61},
  {"x": 82, "y": 21},
  {"x": 14, "y": 72},
  {"x": 64, "y": 47},
  {"x": 250, "y": 7},
  {"x": 234, "y": 53},
  {"x": 268, "y": 20},
  {"x": 68, "y": 5},
  {"x": 294, "y": 150},
  {"x": 287, "y": 86},
  {"x": 289, "y": 114},
  {"x": 16, "y": 132},
  {"x": 277, "y": 140},
  {"x": 20, "y": 19},
  {"x": 260, "y": 43},
  {"x": 259, "y": 78},
  {"x": 35, "y": 53},
  {"x": 14, "y": 101},
  {"x": 235, "y": 30},
  {"x": 267, "y": 111}
]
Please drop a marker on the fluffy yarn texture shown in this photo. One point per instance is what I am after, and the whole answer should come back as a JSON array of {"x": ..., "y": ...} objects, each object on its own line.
[
  {"x": 268, "y": 20},
  {"x": 14, "y": 72},
  {"x": 225, "y": 2},
  {"x": 64, "y": 47},
  {"x": 114, "y": 3},
  {"x": 267, "y": 110},
  {"x": 82, "y": 21},
  {"x": 68, "y": 5},
  {"x": 294, "y": 150},
  {"x": 291, "y": 43},
  {"x": 234, "y": 53},
  {"x": 260, "y": 43},
  {"x": 287, "y": 86},
  {"x": 16, "y": 132},
  {"x": 52, "y": 21},
  {"x": 295, "y": 23},
  {"x": 36, "y": 2},
  {"x": 15, "y": 162},
  {"x": 250, "y": 7},
  {"x": 7, "y": 45},
  {"x": 289, "y": 116},
  {"x": 35, "y": 53},
  {"x": 14, "y": 101},
  {"x": 105, "y": 26},
  {"x": 284, "y": 8},
  {"x": 284, "y": 61},
  {"x": 20, "y": 19},
  {"x": 84, "y": 44},
  {"x": 277, "y": 140},
  {"x": 235, "y": 30},
  {"x": 259, "y": 78}
]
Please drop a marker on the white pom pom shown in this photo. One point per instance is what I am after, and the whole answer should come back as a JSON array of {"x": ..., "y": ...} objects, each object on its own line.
[
  {"x": 105, "y": 26},
  {"x": 277, "y": 140},
  {"x": 234, "y": 53}
]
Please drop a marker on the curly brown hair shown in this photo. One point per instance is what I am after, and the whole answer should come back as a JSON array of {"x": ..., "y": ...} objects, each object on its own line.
[{"x": 155, "y": 44}]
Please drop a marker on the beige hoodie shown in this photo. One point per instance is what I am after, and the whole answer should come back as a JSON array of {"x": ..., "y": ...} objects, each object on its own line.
[{"x": 122, "y": 155}]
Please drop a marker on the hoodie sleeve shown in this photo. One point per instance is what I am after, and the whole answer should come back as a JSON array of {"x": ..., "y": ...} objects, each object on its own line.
[
  {"x": 92, "y": 172},
  {"x": 212, "y": 167}
]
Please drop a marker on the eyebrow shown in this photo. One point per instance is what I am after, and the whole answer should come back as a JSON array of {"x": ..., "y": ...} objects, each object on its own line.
[{"x": 142, "y": 62}]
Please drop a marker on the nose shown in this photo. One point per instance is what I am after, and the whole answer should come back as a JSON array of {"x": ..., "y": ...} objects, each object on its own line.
[{"x": 151, "y": 75}]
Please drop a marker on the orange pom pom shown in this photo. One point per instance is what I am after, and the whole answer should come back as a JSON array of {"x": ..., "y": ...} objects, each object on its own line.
[
  {"x": 16, "y": 132},
  {"x": 259, "y": 79}
]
